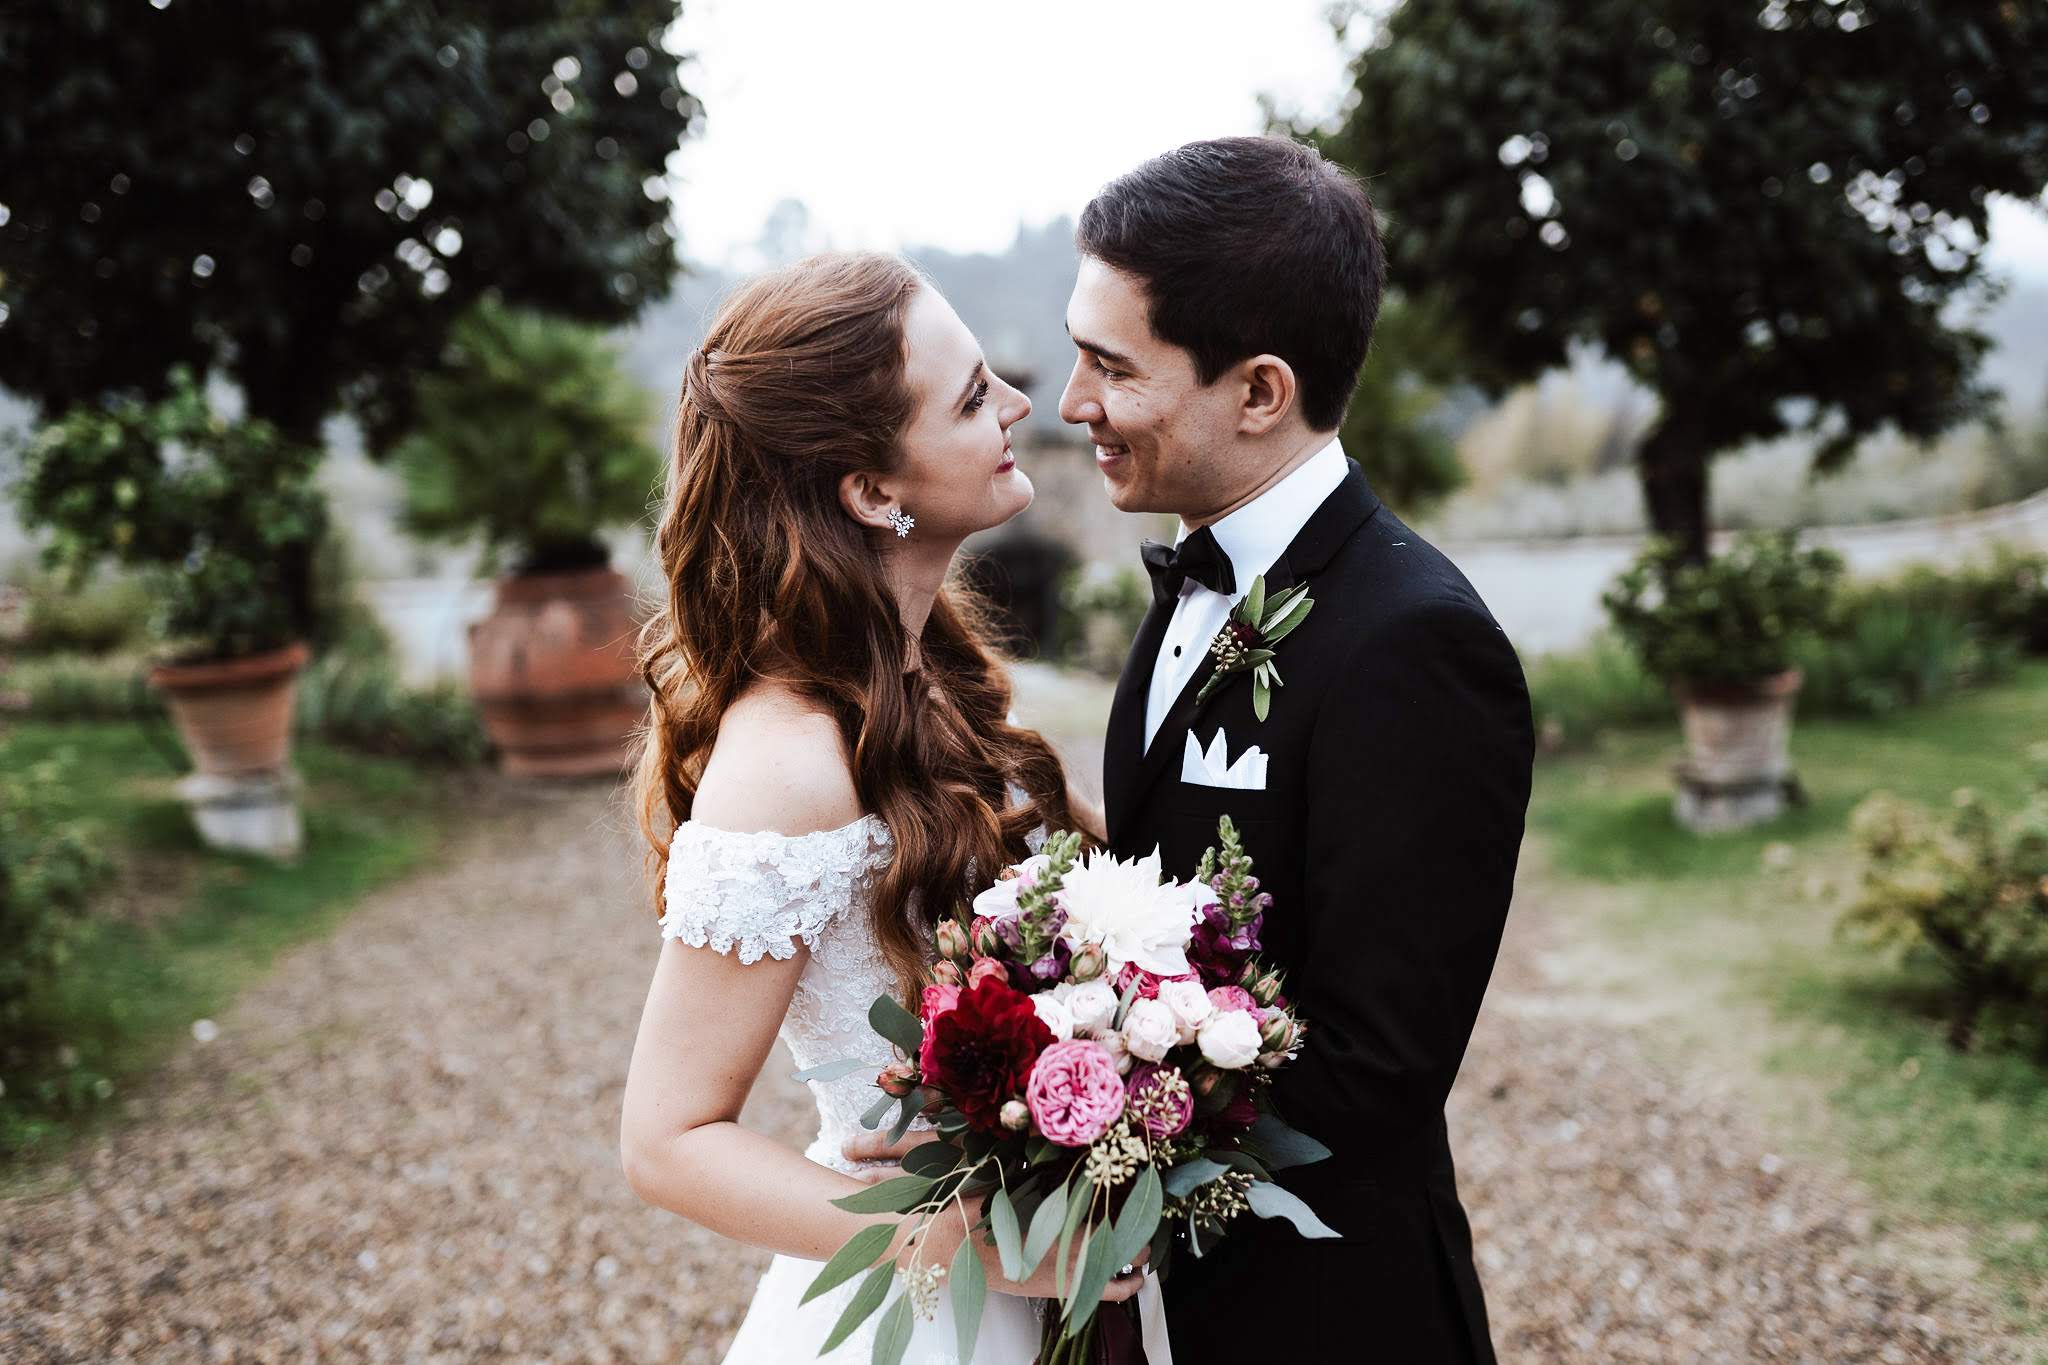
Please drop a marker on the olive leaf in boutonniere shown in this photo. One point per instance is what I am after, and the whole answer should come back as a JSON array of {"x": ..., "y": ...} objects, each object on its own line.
[{"x": 1245, "y": 644}]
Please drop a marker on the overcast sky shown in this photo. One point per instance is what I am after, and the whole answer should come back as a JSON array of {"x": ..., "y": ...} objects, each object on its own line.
[{"x": 943, "y": 123}]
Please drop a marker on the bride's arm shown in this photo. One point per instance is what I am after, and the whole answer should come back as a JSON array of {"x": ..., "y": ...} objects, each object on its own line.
[
  {"x": 707, "y": 1029},
  {"x": 710, "y": 1018}
]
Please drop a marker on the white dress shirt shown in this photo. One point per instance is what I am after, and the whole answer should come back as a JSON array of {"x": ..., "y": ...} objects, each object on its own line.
[{"x": 1254, "y": 536}]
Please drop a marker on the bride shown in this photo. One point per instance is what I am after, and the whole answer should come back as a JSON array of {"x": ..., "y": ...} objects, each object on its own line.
[{"x": 829, "y": 738}]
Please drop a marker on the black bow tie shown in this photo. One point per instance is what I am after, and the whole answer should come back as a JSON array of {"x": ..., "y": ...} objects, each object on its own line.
[{"x": 1198, "y": 557}]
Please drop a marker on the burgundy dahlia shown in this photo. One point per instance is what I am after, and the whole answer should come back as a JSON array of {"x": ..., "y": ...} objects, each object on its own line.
[{"x": 980, "y": 1052}]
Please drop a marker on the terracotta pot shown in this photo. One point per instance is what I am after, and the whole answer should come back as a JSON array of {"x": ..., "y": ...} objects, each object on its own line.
[
  {"x": 553, "y": 672},
  {"x": 235, "y": 715},
  {"x": 1737, "y": 769}
]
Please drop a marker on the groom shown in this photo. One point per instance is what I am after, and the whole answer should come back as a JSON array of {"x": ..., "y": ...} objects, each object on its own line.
[{"x": 1224, "y": 304}]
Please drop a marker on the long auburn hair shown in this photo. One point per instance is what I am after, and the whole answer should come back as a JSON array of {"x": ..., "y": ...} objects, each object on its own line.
[{"x": 800, "y": 382}]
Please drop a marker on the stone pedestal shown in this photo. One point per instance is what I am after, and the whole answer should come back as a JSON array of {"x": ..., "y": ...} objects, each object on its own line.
[
  {"x": 247, "y": 812},
  {"x": 1705, "y": 806}
]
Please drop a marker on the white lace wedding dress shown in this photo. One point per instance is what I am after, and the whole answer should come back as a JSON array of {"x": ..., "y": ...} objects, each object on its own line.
[{"x": 759, "y": 894}]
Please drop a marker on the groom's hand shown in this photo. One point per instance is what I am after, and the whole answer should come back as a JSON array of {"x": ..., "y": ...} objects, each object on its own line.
[{"x": 876, "y": 1147}]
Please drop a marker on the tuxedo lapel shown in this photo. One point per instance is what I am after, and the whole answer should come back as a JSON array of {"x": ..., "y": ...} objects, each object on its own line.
[
  {"x": 1321, "y": 536},
  {"x": 1123, "y": 745}
]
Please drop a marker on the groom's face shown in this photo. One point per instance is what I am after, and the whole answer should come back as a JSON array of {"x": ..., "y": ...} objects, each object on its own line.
[{"x": 1158, "y": 430}]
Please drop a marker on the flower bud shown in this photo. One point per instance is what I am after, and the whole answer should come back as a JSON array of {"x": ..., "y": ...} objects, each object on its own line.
[
  {"x": 1277, "y": 1033},
  {"x": 984, "y": 969},
  {"x": 1089, "y": 962},
  {"x": 983, "y": 941},
  {"x": 947, "y": 973},
  {"x": 1206, "y": 1081},
  {"x": 897, "y": 1079},
  {"x": 950, "y": 939},
  {"x": 1015, "y": 1116},
  {"x": 1267, "y": 988},
  {"x": 1272, "y": 1060}
]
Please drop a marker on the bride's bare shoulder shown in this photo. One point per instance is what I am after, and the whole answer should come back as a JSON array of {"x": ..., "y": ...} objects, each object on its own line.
[{"x": 778, "y": 764}]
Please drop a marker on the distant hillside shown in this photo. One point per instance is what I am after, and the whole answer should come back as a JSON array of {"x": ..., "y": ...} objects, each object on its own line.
[{"x": 1015, "y": 302}]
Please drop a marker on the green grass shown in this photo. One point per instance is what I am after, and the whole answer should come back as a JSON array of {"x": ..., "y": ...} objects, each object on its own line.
[
  {"x": 214, "y": 922},
  {"x": 1728, "y": 941}
]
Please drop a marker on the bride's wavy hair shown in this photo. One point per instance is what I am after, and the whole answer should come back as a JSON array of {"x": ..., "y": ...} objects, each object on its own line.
[{"x": 800, "y": 382}]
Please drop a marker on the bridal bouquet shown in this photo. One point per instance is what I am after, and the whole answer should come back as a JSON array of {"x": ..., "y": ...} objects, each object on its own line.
[{"x": 1093, "y": 1045}]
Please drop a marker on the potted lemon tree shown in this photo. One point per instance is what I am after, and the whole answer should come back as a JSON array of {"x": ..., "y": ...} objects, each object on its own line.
[
  {"x": 1722, "y": 634},
  {"x": 532, "y": 440},
  {"x": 210, "y": 512}
]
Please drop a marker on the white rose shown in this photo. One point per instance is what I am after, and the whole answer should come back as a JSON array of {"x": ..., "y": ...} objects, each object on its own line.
[
  {"x": 1113, "y": 1043},
  {"x": 1091, "y": 1003},
  {"x": 1150, "y": 1029},
  {"x": 1230, "y": 1039},
  {"x": 1190, "y": 1004},
  {"x": 1052, "y": 1011}
]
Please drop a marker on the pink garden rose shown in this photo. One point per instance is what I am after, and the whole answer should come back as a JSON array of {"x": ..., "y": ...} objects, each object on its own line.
[
  {"x": 936, "y": 1001},
  {"x": 1234, "y": 998},
  {"x": 1074, "y": 1093},
  {"x": 986, "y": 968}
]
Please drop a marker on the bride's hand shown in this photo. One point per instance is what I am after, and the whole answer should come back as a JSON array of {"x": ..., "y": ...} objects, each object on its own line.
[
  {"x": 876, "y": 1146},
  {"x": 948, "y": 1227}
]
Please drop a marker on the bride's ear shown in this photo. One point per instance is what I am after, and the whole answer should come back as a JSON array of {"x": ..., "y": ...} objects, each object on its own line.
[{"x": 867, "y": 499}]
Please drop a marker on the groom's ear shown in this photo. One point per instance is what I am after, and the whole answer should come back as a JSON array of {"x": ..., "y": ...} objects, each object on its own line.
[
  {"x": 1269, "y": 391},
  {"x": 866, "y": 500}
]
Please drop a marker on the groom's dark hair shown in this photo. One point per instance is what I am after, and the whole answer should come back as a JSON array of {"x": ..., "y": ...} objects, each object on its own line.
[{"x": 1249, "y": 246}]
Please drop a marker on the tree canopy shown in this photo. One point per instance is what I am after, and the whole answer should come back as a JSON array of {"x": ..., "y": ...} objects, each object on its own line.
[
  {"x": 306, "y": 196},
  {"x": 1765, "y": 210}
]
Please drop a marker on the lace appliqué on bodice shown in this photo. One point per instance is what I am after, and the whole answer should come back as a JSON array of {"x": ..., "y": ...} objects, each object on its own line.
[{"x": 759, "y": 895}]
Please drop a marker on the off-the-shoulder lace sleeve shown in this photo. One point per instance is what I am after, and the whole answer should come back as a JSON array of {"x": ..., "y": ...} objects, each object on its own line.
[{"x": 759, "y": 894}]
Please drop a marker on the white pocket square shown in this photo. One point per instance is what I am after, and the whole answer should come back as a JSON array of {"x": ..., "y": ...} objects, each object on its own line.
[{"x": 1214, "y": 769}]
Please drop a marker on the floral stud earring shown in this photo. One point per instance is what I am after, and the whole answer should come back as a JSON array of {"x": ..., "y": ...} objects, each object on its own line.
[{"x": 902, "y": 521}]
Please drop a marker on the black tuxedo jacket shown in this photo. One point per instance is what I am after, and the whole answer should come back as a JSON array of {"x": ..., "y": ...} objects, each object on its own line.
[{"x": 1399, "y": 749}]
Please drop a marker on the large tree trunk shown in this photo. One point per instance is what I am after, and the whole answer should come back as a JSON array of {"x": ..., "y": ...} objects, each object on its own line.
[{"x": 1673, "y": 467}]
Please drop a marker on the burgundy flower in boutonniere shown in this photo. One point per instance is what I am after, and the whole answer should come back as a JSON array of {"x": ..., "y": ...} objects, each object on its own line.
[{"x": 1246, "y": 642}]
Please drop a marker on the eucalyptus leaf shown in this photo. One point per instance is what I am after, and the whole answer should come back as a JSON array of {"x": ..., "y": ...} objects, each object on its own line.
[
  {"x": 1045, "y": 1226},
  {"x": 899, "y": 1195},
  {"x": 1140, "y": 1216},
  {"x": 1098, "y": 1267},
  {"x": 932, "y": 1159},
  {"x": 912, "y": 1103},
  {"x": 1002, "y": 1219},
  {"x": 875, "y": 1111},
  {"x": 1077, "y": 1209},
  {"x": 898, "y": 1025},
  {"x": 970, "y": 1289},
  {"x": 1271, "y": 1201},
  {"x": 1246, "y": 1162},
  {"x": 1123, "y": 1005},
  {"x": 1190, "y": 1175},
  {"x": 856, "y": 1255},
  {"x": 892, "y": 1338},
  {"x": 832, "y": 1071},
  {"x": 1282, "y": 1146},
  {"x": 865, "y": 1300}
]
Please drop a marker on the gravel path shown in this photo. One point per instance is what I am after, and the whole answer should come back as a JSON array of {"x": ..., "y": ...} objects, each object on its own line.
[{"x": 401, "y": 1147}]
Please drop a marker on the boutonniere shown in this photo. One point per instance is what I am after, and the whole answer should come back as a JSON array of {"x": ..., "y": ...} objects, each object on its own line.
[{"x": 1245, "y": 643}]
